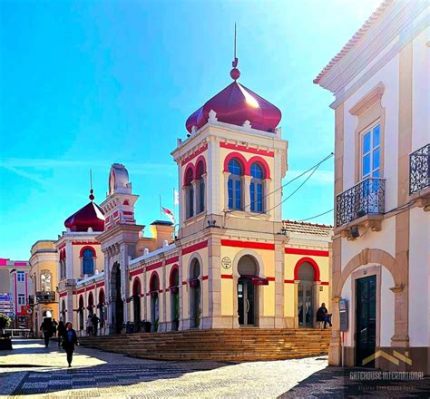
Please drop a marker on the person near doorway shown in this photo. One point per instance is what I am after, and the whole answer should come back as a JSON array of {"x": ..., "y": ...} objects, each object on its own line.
[
  {"x": 54, "y": 327},
  {"x": 89, "y": 325},
  {"x": 61, "y": 329},
  {"x": 95, "y": 322},
  {"x": 70, "y": 339},
  {"x": 323, "y": 317},
  {"x": 46, "y": 328}
]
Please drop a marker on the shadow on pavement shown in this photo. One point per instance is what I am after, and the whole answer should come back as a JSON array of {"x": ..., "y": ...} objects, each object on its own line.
[
  {"x": 337, "y": 382},
  {"x": 127, "y": 371}
]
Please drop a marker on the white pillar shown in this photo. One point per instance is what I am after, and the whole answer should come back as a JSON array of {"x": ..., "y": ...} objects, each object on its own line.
[
  {"x": 246, "y": 181},
  {"x": 69, "y": 260}
]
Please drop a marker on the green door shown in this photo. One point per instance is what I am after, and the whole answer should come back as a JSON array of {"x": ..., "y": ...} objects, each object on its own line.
[{"x": 365, "y": 300}]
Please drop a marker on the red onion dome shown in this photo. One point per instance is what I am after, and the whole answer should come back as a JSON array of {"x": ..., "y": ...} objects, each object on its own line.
[
  {"x": 237, "y": 104},
  {"x": 91, "y": 215}
]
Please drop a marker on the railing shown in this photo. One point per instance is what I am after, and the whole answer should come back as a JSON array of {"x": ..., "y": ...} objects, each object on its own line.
[
  {"x": 365, "y": 198},
  {"x": 18, "y": 332},
  {"x": 45, "y": 296},
  {"x": 419, "y": 169}
]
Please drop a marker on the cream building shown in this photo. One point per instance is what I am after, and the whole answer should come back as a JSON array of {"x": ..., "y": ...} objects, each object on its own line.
[
  {"x": 381, "y": 252},
  {"x": 43, "y": 273}
]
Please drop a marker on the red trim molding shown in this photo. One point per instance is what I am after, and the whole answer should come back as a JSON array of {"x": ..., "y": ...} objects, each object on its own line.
[
  {"x": 251, "y": 150},
  {"x": 63, "y": 294},
  {"x": 270, "y": 278},
  {"x": 289, "y": 281},
  {"x": 100, "y": 284},
  {"x": 205, "y": 277},
  {"x": 154, "y": 266},
  {"x": 172, "y": 260},
  {"x": 85, "y": 243},
  {"x": 227, "y": 276},
  {"x": 325, "y": 283},
  {"x": 312, "y": 263},
  {"x": 195, "y": 247},
  {"x": 194, "y": 154},
  {"x": 136, "y": 272},
  {"x": 248, "y": 244},
  {"x": 305, "y": 251}
]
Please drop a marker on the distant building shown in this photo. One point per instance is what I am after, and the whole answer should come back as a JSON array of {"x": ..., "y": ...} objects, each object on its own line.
[
  {"x": 381, "y": 249},
  {"x": 15, "y": 287},
  {"x": 44, "y": 265}
]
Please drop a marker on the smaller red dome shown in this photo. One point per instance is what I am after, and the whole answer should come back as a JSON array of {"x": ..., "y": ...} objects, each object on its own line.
[{"x": 91, "y": 215}]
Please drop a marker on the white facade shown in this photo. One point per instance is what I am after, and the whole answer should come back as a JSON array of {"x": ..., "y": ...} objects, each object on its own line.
[{"x": 381, "y": 78}]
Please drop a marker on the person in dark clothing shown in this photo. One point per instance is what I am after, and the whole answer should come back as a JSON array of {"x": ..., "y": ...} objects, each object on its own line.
[
  {"x": 46, "y": 329},
  {"x": 70, "y": 339},
  {"x": 61, "y": 330},
  {"x": 323, "y": 316},
  {"x": 95, "y": 320}
]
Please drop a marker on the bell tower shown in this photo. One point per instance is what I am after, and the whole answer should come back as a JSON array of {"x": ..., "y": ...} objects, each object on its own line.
[{"x": 232, "y": 163}]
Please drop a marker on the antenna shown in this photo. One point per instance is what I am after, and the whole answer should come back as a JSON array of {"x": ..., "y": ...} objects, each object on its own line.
[
  {"x": 235, "y": 73},
  {"x": 91, "y": 186}
]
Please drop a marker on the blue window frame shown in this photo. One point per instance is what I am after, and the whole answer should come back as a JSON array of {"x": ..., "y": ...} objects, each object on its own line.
[
  {"x": 88, "y": 262},
  {"x": 235, "y": 185},
  {"x": 20, "y": 276},
  {"x": 256, "y": 188},
  {"x": 371, "y": 153}
]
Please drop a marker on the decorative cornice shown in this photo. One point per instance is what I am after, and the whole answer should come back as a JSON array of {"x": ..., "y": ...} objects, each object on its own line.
[{"x": 368, "y": 100}]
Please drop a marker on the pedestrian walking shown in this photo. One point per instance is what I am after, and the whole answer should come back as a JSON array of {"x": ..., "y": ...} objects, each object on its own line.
[
  {"x": 323, "y": 316},
  {"x": 70, "y": 339},
  {"x": 54, "y": 327},
  {"x": 46, "y": 328},
  {"x": 95, "y": 320},
  {"x": 61, "y": 330}
]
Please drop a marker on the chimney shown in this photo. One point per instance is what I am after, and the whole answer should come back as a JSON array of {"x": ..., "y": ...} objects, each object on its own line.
[{"x": 162, "y": 231}]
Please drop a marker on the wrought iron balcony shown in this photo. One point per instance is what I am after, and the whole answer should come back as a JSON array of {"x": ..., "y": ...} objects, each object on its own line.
[
  {"x": 45, "y": 296},
  {"x": 419, "y": 169},
  {"x": 365, "y": 198}
]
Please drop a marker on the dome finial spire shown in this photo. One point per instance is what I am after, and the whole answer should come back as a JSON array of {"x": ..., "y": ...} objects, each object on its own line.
[
  {"x": 91, "y": 186},
  {"x": 235, "y": 73}
]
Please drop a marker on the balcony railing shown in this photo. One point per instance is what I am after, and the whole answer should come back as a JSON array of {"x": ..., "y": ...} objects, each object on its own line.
[
  {"x": 365, "y": 198},
  {"x": 45, "y": 296},
  {"x": 419, "y": 169}
]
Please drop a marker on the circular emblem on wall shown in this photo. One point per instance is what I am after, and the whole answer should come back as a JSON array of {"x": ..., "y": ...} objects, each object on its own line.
[{"x": 226, "y": 262}]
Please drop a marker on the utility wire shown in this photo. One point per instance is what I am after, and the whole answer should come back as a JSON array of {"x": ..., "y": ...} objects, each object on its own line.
[
  {"x": 290, "y": 181},
  {"x": 297, "y": 189},
  {"x": 316, "y": 216}
]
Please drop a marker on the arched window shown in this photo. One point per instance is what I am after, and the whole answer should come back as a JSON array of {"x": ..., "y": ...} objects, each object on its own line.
[
  {"x": 189, "y": 193},
  {"x": 88, "y": 256},
  {"x": 62, "y": 264},
  {"x": 200, "y": 184},
  {"x": 235, "y": 185},
  {"x": 46, "y": 280},
  {"x": 256, "y": 188}
]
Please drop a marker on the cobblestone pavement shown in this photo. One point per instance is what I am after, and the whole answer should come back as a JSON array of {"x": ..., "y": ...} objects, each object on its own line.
[{"x": 32, "y": 370}]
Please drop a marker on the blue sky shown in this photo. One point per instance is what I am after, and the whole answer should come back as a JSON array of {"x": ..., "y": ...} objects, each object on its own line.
[{"x": 84, "y": 84}]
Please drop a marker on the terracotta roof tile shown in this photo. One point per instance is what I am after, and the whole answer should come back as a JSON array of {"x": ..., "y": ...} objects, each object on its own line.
[{"x": 307, "y": 228}]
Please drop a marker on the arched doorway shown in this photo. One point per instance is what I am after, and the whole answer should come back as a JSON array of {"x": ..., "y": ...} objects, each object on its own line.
[
  {"x": 247, "y": 291},
  {"x": 154, "y": 287},
  {"x": 174, "y": 298},
  {"x": 101, "y": 307},
  {"x": 195, "y": 294},
  {"x": 136, "y": 303},
  {"x": 305, "y": 294},
  {"x": 81, "y": 313},
  {"x": 117, "y": 303},
  {"x": 90, "y": 304}
]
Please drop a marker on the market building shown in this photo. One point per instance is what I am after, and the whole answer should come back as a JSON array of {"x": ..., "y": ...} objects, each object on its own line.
[
  {"x": 381, "y": 257},
  {"x": 234, "y": 262}
]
